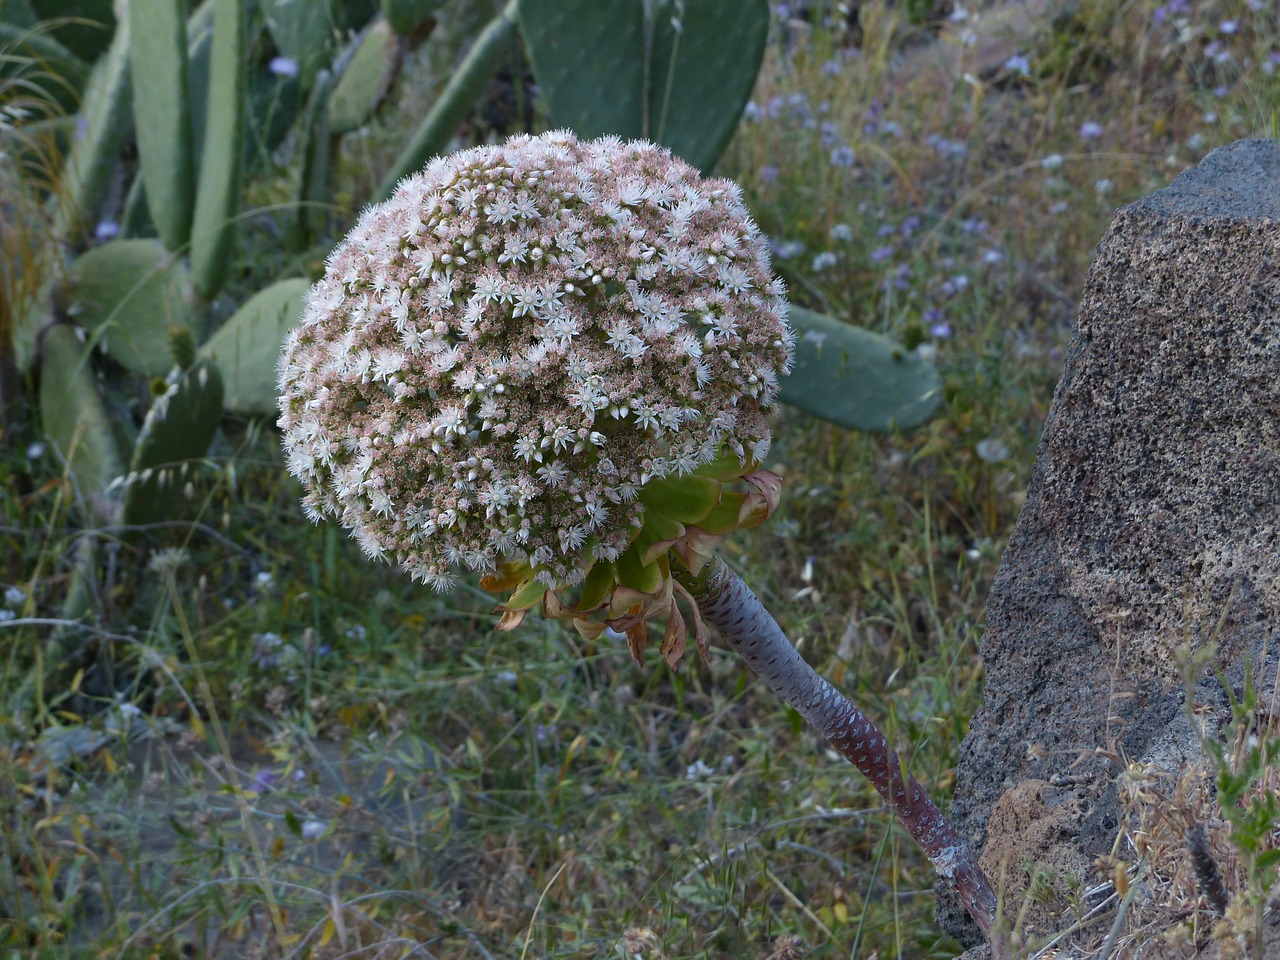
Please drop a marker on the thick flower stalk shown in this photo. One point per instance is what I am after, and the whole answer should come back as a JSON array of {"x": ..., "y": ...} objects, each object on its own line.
[{"x": 549, "y": 361}]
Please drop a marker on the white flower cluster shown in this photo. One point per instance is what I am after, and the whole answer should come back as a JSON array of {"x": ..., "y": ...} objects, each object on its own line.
[{"x": 501, "y": 355}]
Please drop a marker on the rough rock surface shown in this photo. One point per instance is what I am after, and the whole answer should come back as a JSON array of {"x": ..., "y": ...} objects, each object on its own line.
[{"x": 1151, "y": 521}]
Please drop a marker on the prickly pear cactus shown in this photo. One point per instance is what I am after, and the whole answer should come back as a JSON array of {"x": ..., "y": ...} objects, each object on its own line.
[
  {"x": 313, "y": 185},
  {"x": 365, "y": 80},
  {"x": 218, "y": 199},
  {"x": 127, "y": 294},
  {"x": 247, "y": 346},
  {"x": 162, "y": 114},
  {"x": 857, "y": 378},
  {"x": 303, "y": 32},
  {"x": 175, "y": 434},
  {"x": 701, "y": 74},
  {"x": 75, "y": 420},
  {"x": 96, "y": 151},
  {"x": 406, "y": 16},
  {"x": 588, "y": 57},
  {"x": 680, "y": 78}
]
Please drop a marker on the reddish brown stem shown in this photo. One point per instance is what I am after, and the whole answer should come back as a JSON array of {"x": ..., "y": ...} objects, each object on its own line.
[{"x": 746, "y": 625}]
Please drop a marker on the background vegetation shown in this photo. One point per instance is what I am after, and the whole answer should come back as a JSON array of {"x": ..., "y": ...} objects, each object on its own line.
[{"x": 256, "y": 743}]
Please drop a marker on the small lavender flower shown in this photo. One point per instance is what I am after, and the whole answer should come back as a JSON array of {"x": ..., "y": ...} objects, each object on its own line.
[
  {"x": 1018, "y": 64},
  {"x": 1089, "y": 130},
  {"x": 1052, "y": 162},
  {"x": 13, "y": 596},
  {"x": 842, "y": 156},
  {"x": 501, "y": 355},
  {"x": 824, "y": 261},
  {"x": 106, "y": 230},
  {"x": 787, "y": 249},
  {"x": 992, "y": 450},
  {"x": 841, "y": 233},
  {"x": 283, "y": 66}
]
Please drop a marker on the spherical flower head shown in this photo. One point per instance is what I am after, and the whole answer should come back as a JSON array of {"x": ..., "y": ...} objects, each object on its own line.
[{"x": 503, "y": 354}]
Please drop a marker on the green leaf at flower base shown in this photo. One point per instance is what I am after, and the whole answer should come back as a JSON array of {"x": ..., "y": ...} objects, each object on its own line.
[
  {"x": 726, "y": 467},
  {"x": 596, "y": 588},
  {"x": 527, "y": 596},
  {"x": 657, "y": 535},
  {"x": 856, "y": 378},
  {"x": 633, "y": 572},
  {"x": 724, "y": 518},
  {"x": 687, "y": 499}
]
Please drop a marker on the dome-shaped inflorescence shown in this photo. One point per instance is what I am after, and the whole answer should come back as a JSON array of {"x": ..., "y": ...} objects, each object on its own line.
[{"x": 500, "y": 356}]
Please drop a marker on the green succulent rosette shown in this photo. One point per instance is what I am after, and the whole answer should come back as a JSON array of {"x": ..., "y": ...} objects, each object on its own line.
[{"x": 685, "y": 518}]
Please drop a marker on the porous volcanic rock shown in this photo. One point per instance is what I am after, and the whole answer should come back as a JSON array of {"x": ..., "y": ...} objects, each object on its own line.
[{"x": 1150, "y": 522}]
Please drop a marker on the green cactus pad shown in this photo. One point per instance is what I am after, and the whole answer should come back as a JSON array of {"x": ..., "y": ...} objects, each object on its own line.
[
  {"x": 701, "y": 76},
  {"x": 96, "y": 152},
  {"x": 406, "y": 16},
  {"x": 313, "y": 186},
  {"x": 75, "y": 420},
  {"x": 178, "y": 430},
  {"x": 218, "y": 199},
  {"x": 456, "y": 100},
  {"x": 128, "y": 293},
  {"x": 162, "y": 114},
  {"x": 856, "y": 378},
  {"x": 589, "y": 57},
  {"x": 366, "y": 79},
  {"x": 248, "y": 345},
  {"x": 303, "y": 31}
]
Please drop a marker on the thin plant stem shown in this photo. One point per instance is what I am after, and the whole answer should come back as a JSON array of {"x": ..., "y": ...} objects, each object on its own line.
[{"x": 744, "y": 623}]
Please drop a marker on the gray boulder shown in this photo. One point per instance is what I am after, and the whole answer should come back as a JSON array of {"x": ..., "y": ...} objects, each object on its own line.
[{"x": 1151, "y": 523}]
